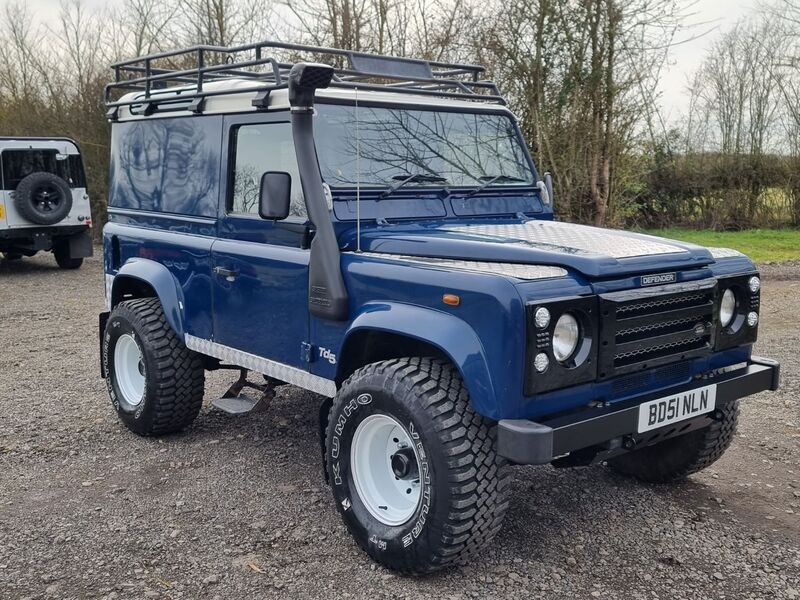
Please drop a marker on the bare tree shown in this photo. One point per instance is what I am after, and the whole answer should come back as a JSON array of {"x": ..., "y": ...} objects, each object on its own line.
[
  {"x": 581, "y": 75},
  {"x": 224, "y": 22}
]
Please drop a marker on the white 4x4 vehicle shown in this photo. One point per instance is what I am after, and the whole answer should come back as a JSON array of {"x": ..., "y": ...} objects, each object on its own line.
[{"x": 44, "y": 205}]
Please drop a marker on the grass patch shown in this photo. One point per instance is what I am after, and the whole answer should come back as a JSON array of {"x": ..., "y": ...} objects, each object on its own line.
[{"x": 762, "y": 245}]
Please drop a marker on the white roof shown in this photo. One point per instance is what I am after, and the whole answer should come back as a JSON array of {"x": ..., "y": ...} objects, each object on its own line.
[
  {"x": 243, "y": 91},
  {"x": 60, "y": 145}
]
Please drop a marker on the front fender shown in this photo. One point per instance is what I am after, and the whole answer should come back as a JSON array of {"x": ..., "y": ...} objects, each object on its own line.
[
  {"x": 454, "y": 337},
  {"x": 158, "y": 277}
]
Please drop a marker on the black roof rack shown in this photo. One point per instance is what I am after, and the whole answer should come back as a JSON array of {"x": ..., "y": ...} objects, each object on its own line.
[{"x": 178, "y": 76}]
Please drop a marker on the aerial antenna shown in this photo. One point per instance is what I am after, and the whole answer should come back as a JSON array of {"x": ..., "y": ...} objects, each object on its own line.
[{"x": 358, "y": 179}]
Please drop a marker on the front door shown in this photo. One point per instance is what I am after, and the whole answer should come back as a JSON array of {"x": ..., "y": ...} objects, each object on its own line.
[{"x": 259, "y": 267}]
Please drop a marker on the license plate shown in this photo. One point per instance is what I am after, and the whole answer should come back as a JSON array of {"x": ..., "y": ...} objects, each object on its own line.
[{"x": 678, "y": 407}]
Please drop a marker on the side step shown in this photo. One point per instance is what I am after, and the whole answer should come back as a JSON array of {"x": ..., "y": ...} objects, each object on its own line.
[{"x": 237, "y": 402}]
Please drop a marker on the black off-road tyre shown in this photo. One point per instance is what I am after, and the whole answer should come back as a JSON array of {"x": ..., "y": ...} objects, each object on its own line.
[
  {"x": 63, "y": 259},
  {"x": 464, "y": 484},
  {"x": 676, "y": 458},
  {"x": 43, "y": 198},
  {"x": 12, "y": 255},
  {"x": 174, "y": 375}
]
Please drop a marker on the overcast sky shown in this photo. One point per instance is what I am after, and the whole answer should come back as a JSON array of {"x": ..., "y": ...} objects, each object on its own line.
[
  {"x": 715, "y": 16},
  {"x": 712, "y": 16}
]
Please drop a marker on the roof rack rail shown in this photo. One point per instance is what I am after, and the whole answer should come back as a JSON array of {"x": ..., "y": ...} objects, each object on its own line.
[{"x": 182, "y": 75}]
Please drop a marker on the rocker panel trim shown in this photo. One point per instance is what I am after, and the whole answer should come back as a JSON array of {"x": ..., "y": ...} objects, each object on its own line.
[{"x": 280, "y": 371}]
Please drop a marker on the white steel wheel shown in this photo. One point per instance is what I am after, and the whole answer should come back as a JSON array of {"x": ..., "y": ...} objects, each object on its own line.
[
  {"x": 129, "y": 370},
  {"x": 385, "y": 469}
]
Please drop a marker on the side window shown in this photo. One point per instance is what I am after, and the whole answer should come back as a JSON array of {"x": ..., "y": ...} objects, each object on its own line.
[
  {"x": 258, "y": 149},
  {"x": 166, "y": 165}
]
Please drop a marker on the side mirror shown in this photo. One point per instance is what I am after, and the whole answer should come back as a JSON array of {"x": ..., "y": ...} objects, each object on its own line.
[
  {"x": 274, "y": 195},
  {"x": 548, "y": 184}
]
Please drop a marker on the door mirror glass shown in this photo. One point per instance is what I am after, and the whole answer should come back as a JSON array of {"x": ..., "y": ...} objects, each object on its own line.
[
  {"x": 548, "y": 184},
  {"x": 275, "y": 195}
]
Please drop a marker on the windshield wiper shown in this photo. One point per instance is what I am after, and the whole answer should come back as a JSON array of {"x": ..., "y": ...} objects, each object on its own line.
[
  {"x": 413, "y": 178},
  {"x": 490, "y": 179}
]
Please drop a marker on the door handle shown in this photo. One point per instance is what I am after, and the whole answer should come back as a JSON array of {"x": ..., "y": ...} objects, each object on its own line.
[{"x": 228, "y": 274}]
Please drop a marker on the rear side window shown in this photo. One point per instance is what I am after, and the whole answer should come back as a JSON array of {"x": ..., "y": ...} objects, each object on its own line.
[
  {"x": 166, "y": 165},
  {"x": 257, "y": 149},
  {"x": 18, "y": 164}
]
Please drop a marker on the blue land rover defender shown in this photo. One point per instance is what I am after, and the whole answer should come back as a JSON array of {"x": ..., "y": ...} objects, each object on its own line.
[{"x": 374, "y": 230}]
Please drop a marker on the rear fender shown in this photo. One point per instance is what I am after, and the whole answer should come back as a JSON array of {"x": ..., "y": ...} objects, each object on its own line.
[
  {"x": 163, "y": 283},
  {"x": 453, "y": 337}
]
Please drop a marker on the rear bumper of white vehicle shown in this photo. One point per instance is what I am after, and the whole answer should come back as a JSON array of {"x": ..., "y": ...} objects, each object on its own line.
[{"x": 30, "y": 240}]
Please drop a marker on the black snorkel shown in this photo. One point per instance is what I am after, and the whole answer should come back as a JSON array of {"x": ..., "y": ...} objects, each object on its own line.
[{"x": 327, "y": 294}]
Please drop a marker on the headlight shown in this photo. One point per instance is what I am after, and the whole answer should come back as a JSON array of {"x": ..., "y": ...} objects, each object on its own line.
[
  {"x": 565, "y": 337},
  {"x": 727, "y": 308}
]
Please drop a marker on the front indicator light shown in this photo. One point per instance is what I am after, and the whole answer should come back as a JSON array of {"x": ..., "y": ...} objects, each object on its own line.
[
  {"x": 754, "y": 283},
  {"x": 752, "y": 319},
  {"x": 451, "y": 299},
  {"x": 541, "y": 362},
  {"x": 727, "y": 308},
  {"x": 565, "y": 337}
]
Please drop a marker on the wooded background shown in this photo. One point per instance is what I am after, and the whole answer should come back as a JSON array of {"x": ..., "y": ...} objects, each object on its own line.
[{"x": 580, "y": 74}]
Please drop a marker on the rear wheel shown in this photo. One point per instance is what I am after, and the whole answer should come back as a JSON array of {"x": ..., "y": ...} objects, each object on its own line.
[
  {"x": 63, "y": 258},
  {"x": 154, "y": 381},
  {"x": 676, "y": 458},
  {"x": 413, "y": 468}
]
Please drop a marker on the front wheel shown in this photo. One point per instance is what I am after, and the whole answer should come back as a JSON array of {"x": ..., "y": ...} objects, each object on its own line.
[
  {"x": 154, "y": 381},
  {"x": 413, "y": 468}
]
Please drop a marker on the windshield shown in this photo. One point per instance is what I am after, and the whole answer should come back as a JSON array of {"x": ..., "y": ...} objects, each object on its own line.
[{"x": 427, "y": 147}]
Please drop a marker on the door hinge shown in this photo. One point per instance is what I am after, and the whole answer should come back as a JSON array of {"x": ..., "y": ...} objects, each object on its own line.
[{"x": 306, "y": 352}]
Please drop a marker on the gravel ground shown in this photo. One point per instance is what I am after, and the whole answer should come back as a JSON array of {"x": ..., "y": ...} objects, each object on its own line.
[{"x": 237, "y": 508}]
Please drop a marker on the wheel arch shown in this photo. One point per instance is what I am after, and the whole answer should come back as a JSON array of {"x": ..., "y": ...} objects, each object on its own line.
[
  {"x": 386, "y": 330},
  {"x": 145, "y": 278}
]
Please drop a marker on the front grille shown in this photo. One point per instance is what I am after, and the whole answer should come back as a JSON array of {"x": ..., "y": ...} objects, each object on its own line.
[
  {"x": 654, "y": 328},
  {"x": 622, "y": 358},
  {"x": 645, "y": 307},
  {"x": 642, "y": 329}
]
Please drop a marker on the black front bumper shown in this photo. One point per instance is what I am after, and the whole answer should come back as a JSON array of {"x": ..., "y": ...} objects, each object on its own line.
[{"x": 607, "y": 430}]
